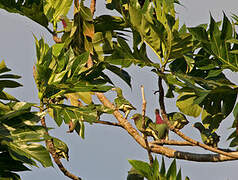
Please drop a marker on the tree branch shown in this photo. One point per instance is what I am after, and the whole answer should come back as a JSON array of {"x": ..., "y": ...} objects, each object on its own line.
[
  {"x": 52, "y": 151},
  {"x": 143, "y": 125},
  {"x": 183, "y": 136},
  {"x": 170, "y": 153},
  {"x": 172, "y": 142},
  {"x": 108, "y": 123}
]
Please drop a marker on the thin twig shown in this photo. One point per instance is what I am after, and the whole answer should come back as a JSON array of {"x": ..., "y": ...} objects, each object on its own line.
[
  {"x": 183, "y": 136},
  {"x": 108, "y": 123},
  {"x": 52, "y": 151},
  {"x": 144, "y": 127}
]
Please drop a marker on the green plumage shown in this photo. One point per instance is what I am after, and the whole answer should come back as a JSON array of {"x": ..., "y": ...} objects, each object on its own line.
[
  {"x": 122, "y": 104},
  {"x": 177, "y": 119},
  {"x": 61, "y": 148},
  {"x": 208, "y": 137},
  {"x": 157, "y": 131}
]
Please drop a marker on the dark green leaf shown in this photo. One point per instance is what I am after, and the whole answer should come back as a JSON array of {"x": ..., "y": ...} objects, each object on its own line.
[
  {"x": 226, "y": 32},
  {"x": 121, "y": 73},
  {"x": 199, "y": 33},
  {"x": 142, "y": 167},
  {"x": 172, "y": 171},
  {"x": 9, "y": 84},
  {"x": 9, "y": 164},
  {"x": 32, "y": 9}
]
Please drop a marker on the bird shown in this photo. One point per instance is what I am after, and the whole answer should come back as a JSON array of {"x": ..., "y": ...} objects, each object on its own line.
[
  {"x": 177, "y": 119},
  {"x": 208, "y": 137},
  {"x": 61, "y": 148},
  {"x": 121, "y": 103},
  {"x": 157, "y": 131}
]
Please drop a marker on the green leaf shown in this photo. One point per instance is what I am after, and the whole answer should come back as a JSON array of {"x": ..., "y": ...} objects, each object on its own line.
[
  {"x": 155, "y": 168},
  {"x": 142, "y": 167},
  {"x": 6, "y": 96},
  {"x": 85, "y": 12},
  {"x": 172, "y": 171},
  {"x": 53, "y": 9},
  {"x": 162, "y": 169},
  {"x": 57, "y": 48},
  {"x": 3, "y": 67},
  {"x": 121, "y": 73},
  {"x": 226, "y": 32},
  {"x": 32, "y": 150},
  {"x": 185, "y": 103},
  {"x": 9, "y": 84},
  {"x": 88, "y": 113},
  {"x": 235, "y": 111},
  {"x": 179, "y": 175},
  {"x": 9, "y": 176},
  {"x": 12, "y": 76},
  {"x": 32, "y": 9},
  {"x": 199, "y": 33},
  {"x": 190, "y": 63},
  {"x": 9, "y": 164}
]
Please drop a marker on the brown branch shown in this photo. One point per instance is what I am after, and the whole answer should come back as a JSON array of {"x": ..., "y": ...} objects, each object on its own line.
[
  {"x": 171, "y": 153},
  {"x": 108, "y": 123},
  {"x": 52, "y": 151},
  {"x": 204, "y": 146},
  {"x": 172, "y": 142},
  {"x": 183, "y": 136},
  {"x": 144, "y": 127},
  {"x": 93, "y": 6}
]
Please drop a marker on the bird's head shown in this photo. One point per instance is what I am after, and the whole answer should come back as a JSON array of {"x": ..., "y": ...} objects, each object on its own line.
[
  {"x": 136, "y": 117},
  {"x": 198, "y": 125},
  {"x": 159, "y": 120},
  {"x": 156, "y": 111}
]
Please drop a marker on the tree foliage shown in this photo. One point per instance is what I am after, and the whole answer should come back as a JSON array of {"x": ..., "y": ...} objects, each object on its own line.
[{"x": 191, "y": 61}]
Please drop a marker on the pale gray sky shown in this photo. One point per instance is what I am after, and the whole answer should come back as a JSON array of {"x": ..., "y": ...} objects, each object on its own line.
[{"x": 104, "y": 153}]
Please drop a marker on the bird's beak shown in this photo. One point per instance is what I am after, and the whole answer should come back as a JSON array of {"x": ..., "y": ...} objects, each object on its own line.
[
  {"x": 113, "y": 89},
  {"x": 193, "y": 125}
]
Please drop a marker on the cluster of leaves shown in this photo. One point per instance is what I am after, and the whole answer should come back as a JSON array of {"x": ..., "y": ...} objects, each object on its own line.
[
  {"x": 141, "y": 169},
  {"x": 190, "y": 60},
  {"x": 19, "y": 132}
]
